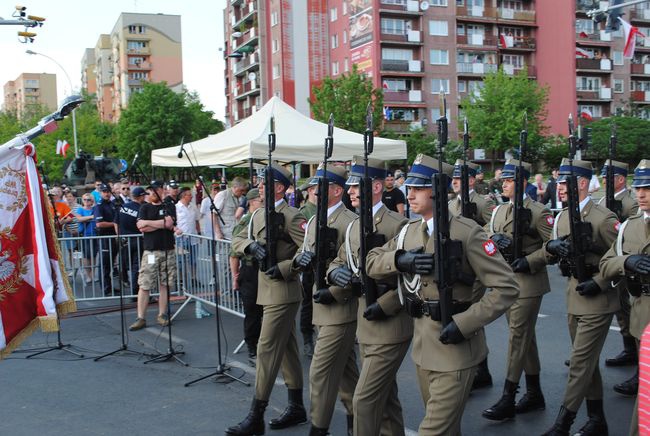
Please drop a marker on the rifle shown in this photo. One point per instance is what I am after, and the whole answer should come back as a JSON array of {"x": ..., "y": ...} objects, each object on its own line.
[
  {"x": 325, "y": 236},
  {"x": 274, "y": 221},
  {"x": 580, "y": 232},
  {"x": 521, "y": 215},
  {"x": 448, "y": 252},
  {"x": 468, "y": 209},
  {"x": 612, "y": 204},
  {"x": 368, "y": 239}
]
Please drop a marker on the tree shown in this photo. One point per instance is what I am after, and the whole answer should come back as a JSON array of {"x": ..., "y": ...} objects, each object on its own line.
[
  {"x": 632, "y": 139},
  {"x": 347, "y": 97},
  {"x": 495, "y": 114},
  {"x": 420, "y": 141}
]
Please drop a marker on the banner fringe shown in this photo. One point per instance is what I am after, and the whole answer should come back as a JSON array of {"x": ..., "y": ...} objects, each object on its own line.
[{"x": 19, "y": 338}]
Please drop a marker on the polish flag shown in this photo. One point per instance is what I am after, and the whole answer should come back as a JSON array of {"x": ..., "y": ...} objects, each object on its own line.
[
  {"x": 385, "y": 85},
  {"x": 507, "y": 41},
  {"x": 33, "y": 289},
  {"x": 62, "y": 147},
  {"x": 583, "y": 53},
  {"x": 583, "y": 34},
  {"x": 644, "y": 383},
  {"x": 586, "y": 114},
  {"x": 630, "y": 33}
]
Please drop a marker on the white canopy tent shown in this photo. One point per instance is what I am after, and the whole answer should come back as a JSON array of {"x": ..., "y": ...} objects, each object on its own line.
[{"x": 298, "y": 139}]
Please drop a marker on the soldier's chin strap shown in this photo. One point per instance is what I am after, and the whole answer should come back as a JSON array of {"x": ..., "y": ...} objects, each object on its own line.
[{"x": 410, "y": 285}]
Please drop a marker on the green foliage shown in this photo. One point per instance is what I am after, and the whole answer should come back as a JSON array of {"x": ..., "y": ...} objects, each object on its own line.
[
  {"x": 347, "y": 97},
  {"x": 420, "y": 141},
  {"x": 632, "y": 139},
  {"x": 554, "y": 149},
  {"x": 495, "y": 114}
]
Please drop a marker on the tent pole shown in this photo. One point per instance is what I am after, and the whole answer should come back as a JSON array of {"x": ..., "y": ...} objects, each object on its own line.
[{"x": 250, "y": 169}]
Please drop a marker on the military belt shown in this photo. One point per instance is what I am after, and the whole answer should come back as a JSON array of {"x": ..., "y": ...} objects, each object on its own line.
[
  {"x": 638, "y": 287},
  {"x": 431, "y": 308}
]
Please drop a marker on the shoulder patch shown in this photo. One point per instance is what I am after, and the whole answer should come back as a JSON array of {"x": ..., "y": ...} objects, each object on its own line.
[
  {"x": 303, "y": 225},
  {"x": 490, "y": 248},
  {"x": 550, "y": 220},
  {"x": 617, "y": 226}
]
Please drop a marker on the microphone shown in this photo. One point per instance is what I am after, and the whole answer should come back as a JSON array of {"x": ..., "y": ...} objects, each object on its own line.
[
  {"x": 135, "y": 159},
  {"x": 180, "y": 153}
]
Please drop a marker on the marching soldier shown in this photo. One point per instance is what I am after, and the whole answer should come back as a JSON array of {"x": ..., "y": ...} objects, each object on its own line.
[
  {"x": 384, "y": 329},
  {"x": 532, "y": 278},
  {"x": 629, "y": 259},
  {"x": 308, "y": 210},
  {"x": 484, "y": 207},
  {"x": 629, "y": 207},
  {"x": 590, "y": 304},
  {"x": 333, "y": 367},
  {"x": 445, "y": 358},
  {"x": 279, "y": 293}
]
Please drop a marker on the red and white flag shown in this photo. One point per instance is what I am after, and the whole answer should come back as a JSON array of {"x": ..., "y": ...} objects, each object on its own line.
[
  {"x": 583, "y": 53},
  {"x": 62, "y": 147},
  {"x": 644, "y": 383},
  {"x": 507, "y": 41},
  {"x": 630, "y": 34},
  {"x": 33, "y": 289},
  {"x": 586, "y": 114}
]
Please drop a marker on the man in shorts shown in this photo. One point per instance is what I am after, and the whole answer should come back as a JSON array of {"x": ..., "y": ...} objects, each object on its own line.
[{"x": 157, "y": 221}]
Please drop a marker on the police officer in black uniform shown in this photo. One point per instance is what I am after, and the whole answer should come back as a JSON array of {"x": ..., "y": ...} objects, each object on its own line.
[
  {"x": 105, "y": 219},
  {"x": 131, "y": 246}
]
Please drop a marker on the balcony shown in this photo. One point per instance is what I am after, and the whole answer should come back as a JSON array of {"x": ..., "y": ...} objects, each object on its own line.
[
  {"x": 245, "y": 112},
  {"x": 513, "y": 70},
  {"x": 246, "y": 64},
  {"x": 527, "y": 17},
  {"x": 600, "y": 95},
  {"x": 600, "y": 39},
  {"x": 640, "y": 96},
  {"x": 247, "y": 14},
  {"x": 521, "y": 44},
  {"x": 401, "y": 65},
  {"x": 250, "y": 87},
  {"x": 247, "y": 42},
  {"x": 411, "y": 37},
  {"x": 142, "y": 66},
  {"x": 642, "y": 15},
  {"x": 411, "y": 7},
  {"x": 640, "y": 69},
  {"x": 412, "y": 96},
  {"x": 594, "y": 65},
  {"x": 485, "y": 42},
  {"x": 236, "y": 2},
  {"x": 475, "y": 69},
  {"x": 476, "y": 13},
  {"x": 140, "y": 51},
  {"x": 403, "y": 127}
]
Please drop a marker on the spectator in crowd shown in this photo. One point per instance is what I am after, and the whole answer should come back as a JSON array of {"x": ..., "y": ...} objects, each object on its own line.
[
  {"x": 173, "y": 189},
  {"x": 187, "y": 222},
  {"x": 89, "y": 246},
  {"x": 541, "y": 186},
  {"x": 207, "y": 227},
  {"x": 254, "y": 181},
  {"x": 392, "y": 197},
  {"x": 495, "y": 187},
  {"x": 198, "y": 192},
  {"x": 480, "y": 186},
  {"x": 550, "y": 193},
  {"x": 116, "y": 189},
  {"x": 399, "y": 181},
  {"x": 71, "y": 227},
  {"x": 247, "y": 281},
  {"x": 105, "y": 222},
  {"x": 594, "y": 183},
  {"x": 125, "y": 193},
  {"x": 97, "y": 193},
  {"x": 132, "y": 250},
  {"x": 227, "y": 203}
]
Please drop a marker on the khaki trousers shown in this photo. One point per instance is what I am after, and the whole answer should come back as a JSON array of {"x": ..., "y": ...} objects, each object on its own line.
[
  {"x": 333, "y": 370},
  {"x": 445, "y": 395},
  {"x": 588, "y": 334},
  {"x": 623, "y": 314},
  {"x": 277, "y": 349},
  {"x": 377, "y": 410},
  {"x": 522, "y": 346}
]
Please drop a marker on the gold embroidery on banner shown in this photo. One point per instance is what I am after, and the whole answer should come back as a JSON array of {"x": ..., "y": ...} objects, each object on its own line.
[
  {"x": 12, "y": 184},
  {"x": 10, "y": 275}
]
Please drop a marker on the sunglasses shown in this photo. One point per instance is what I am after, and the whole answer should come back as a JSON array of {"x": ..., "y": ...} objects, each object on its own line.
[{"x": 126, "y": 189}]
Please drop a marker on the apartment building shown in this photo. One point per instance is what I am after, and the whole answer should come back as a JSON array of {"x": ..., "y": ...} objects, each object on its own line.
[
  {"x": 28, "y": 91},
  {"x": 141, "y": 48}
]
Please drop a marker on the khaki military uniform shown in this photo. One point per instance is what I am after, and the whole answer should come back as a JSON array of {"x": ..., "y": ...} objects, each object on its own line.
[
  {"x": 634, "y": 238},
  {"x": 445, "y": 372},
  {"x": 308, "y": 209},
  {"x": 484, "y": 207},
  {"x": 334, "y": 365},
  {"x": 629, "y": 208},
  {"x": 589, "y": 316},
  {"x": 382, "y": 343},
  {"x": 277, "y": 347},
  {"x": 522, "y": 316}
]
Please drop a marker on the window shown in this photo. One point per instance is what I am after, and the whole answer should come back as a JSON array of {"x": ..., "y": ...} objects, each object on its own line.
[
  {"x": 438, "y": 3},
  {"x": 462, "y": 86},
  {"x": 139, "y": 75},
  {"x": 439, "y": 57},
  {"x": 618, "y": 58},
  {"x": 397, "y": 54},
  {"x": 335, "y": 41},
  {"x": 512, "y": 4},
  {"x": 276, "y": 71},
  {"x": 393, "y": 2},
  {"x": 346, "y": 66},
  {"x": 274, "y": 18},
  {"x": 345, "y": 36},
  {"x": 345, "y": 8},
  {"x": 396, "y": 85},
  {"x": 640, "y": 86},
  {"x": 31, "y": 83},
  {"x": 596, "y": 111},
  {"x": 517, "y": 61},
  {"x": 436, "y": 84},
  {"x": 333, "y": 14},
  {"x": 517, "y": 32},
  {"x": 393, "y": 26},
  {"x": 335, "y": 68},
  {"x": 438, "y": 28},
  {"x": 136, "y": 45},
  {"x": 136, "y": 60},
  {"x": 137, "y": 29},
  {"x": 619, "y": 86},
  {"x": 275, "y": 46},
  {"x": 584, "y": 25},
  {"x": 435, "y": 114},
  {"x": 587, "y": 83}
]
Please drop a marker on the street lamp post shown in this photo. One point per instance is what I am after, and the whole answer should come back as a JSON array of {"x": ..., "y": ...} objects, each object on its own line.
[{"x": 74, "y": 118}]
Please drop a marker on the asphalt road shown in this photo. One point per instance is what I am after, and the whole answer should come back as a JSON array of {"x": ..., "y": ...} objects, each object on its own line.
[{"x": 60, "y": 394}]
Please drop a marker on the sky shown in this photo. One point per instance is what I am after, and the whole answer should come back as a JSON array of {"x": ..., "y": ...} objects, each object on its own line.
[{"x": 71, "y": 26}]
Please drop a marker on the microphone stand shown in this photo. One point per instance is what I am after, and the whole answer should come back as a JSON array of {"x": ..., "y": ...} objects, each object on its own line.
[
  {"x": 59, "y": 344},
  {"x": 222, "y": 369}
]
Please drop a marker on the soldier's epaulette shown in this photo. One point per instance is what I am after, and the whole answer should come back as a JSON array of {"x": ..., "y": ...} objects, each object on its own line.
[
  {"x": 469, "y": 223},
  {"x": 601, "y": 209},
  {"x": 638, "y": 216},
  {"x": 349, "y": 214},
  {"x": 415, "y": 220}
]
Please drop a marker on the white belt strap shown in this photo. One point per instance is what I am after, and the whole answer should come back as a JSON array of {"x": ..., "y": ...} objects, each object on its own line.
[
  {"x": 352, "y": 264},
  {"x": 619, "y": 239},
  {"x": 411, "y": 285},
  {"x": 557, "y": 221},
  {"x": 494, "y": 214},
  {"x": 250, "y": 225},
  {"x": 304, "y": 241}
]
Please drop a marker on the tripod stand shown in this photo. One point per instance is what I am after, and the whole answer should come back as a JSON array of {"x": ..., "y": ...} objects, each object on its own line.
[{"x": 222, "y": 369}]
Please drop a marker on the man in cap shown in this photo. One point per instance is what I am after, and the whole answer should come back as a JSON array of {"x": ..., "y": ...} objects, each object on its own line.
[
  {"x": 333, "y": 366},
  {"x": 132, "y": 251},
  {"x": 279, "y": 293},
  {"x": 247, "y": 282},
  {"x": 157, "y": 220},
  {"x": 445, "y": 357},
  {"x": 308, "y": 210},
  {"x": 484, "y": 207},
  {"x": 105, "y": 224},
  {"x": 629, "y": 207},
  {"x": 481, "y": 185},
  {"x": 629, "y": 259},
  {"x": 533, "y": 283},
  {"x": 590, "y": 303},
  {"x": 384, "y": 329},
  {"x": 173, "y": 189}
]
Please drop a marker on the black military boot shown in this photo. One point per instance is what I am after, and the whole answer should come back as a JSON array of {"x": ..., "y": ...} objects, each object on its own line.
[
  {"x": 253, "y": 424},
  {"x": 505, "y": 407},
  {"x": 563, "y": 422},
  {"x": 483, "y": 378},
  {"x": 630, "y": 386},
  {"x": 294, "y": 414},
  {"x": 596, "y": 425},
  {"x": 316, "y": 431},
  {"x": 350, "y": 425},
  {"x": 628, "y": 356},
  {"x": 533, "y": 399}
]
